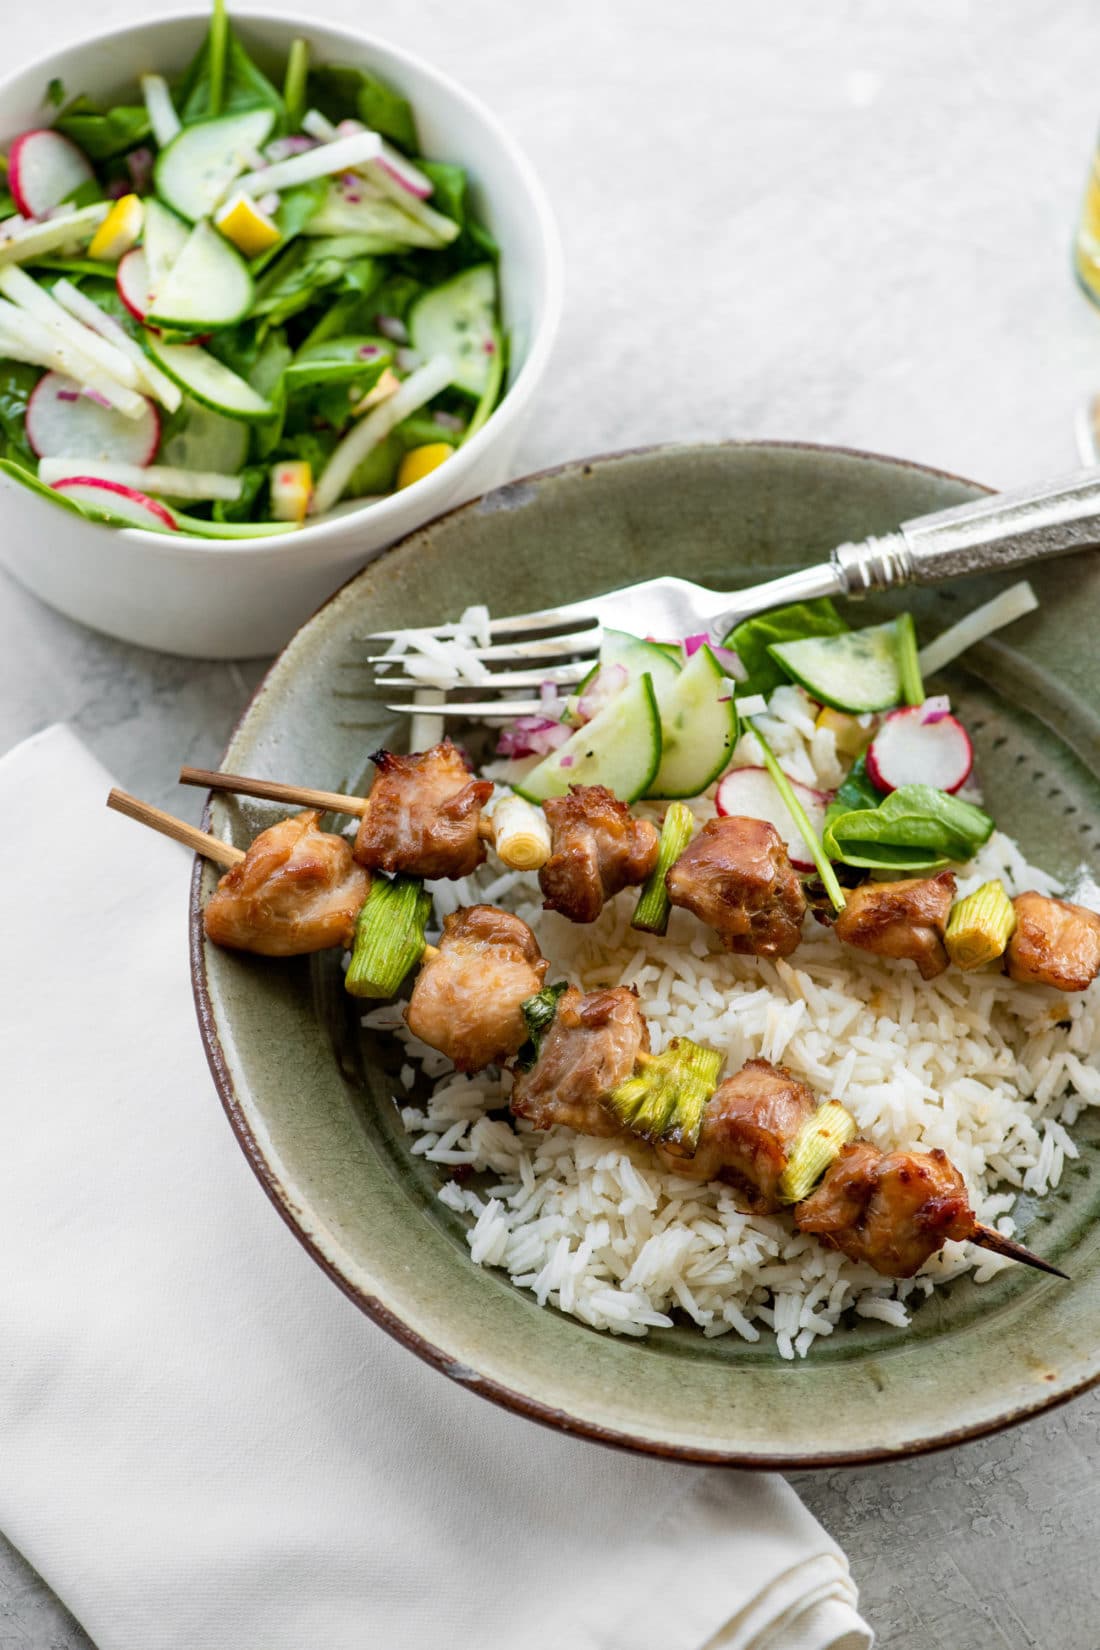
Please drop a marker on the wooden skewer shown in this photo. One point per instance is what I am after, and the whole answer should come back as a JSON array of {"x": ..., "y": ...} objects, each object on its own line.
[
  {"x": 269, "y": 790},
  {"x": 993, "y": 1240},
  {"x": 222, "y": 853},
  {"x": 300, "y": 796}
]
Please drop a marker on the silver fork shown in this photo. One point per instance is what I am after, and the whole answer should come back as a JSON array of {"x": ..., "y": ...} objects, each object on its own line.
[{"x": 560, "y": 644}]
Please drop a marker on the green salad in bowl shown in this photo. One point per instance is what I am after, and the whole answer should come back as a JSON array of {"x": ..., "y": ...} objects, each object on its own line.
[{"x": 231, "y": 302}]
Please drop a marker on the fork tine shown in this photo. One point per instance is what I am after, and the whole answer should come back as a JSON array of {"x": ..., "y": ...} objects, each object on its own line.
[
  {"x": 504, "y": 708},
  {"x": 549, "y": 618},
  {"x": 549, "y": 647},
  {"x": 559, "y": 675}
]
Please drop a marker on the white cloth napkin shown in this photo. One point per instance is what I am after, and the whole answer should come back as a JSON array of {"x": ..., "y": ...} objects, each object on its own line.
[{"x": 203, "y": 1445}]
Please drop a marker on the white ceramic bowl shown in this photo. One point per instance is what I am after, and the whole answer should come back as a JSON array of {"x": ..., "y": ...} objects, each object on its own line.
[{"x": 210, "y": 599}]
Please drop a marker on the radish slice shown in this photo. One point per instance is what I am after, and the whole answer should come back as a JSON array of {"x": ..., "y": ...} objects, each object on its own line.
[
  {"x": 124, "y": 505},
  {"x": 132, "y": 282},
  {"x": 920, "y": 745},
  {"x": 43, "y": 168},
  {"x": 63, "y": 423},
  {"x": 750, "y": 793}
]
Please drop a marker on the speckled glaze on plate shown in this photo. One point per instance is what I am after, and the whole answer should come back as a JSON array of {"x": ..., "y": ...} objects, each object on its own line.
[{"x": 309, "y": 1094}]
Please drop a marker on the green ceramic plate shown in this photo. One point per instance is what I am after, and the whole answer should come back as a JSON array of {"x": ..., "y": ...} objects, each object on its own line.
[{"x": 309, "y": 1095}]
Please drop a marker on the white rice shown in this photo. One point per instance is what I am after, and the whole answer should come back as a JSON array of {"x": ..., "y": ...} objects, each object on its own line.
[{"x": 993, "y": 1072}]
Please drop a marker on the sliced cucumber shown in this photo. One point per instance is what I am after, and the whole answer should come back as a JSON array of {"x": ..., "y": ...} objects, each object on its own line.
[
  {"x": 459, "y": 319},
  {"x": 698, "y": 728},
  {"x": 356, "y": 209},
  {"x": 163, "y": 238},
  {"x": 206, "y": 380},
  {"x": 205, "y": 440},
  {"x": 208, "y": 285},
  {"x": 663, "y": 662},
  {"x": 619, "y": 748},
  {"x": 856, "y": 671},
  {"x": 193, "y": 172}
]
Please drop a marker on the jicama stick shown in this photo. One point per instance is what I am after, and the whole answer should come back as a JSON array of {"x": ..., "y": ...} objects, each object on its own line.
[
  {"x": 163, "y": 118},
  {"x": 363, "y": 437},
  {"x": 17, "y": 285},
  {"x": 326, "y": 160},
  {"x": 150, "y": 478},
  {"x": 155, "y": 382},
  {"x": 24, "y": 338}
]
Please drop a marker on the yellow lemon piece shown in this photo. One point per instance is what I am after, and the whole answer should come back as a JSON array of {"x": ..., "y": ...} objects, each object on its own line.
[
  {"x": 119, "y": 230},
  {"x": 291, "y": 489},
  {"x": 852, "y": 738},
  {"x": 419, "y": 462},
  {"x": 385, "y": 387},
  {"x": 251, "y": 231}
]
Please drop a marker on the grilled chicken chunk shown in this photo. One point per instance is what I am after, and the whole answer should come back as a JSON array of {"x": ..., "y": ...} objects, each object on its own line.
[
  {"x": 423, "y": 815},
  {"x": 296, "y": 890},
  {"x": 749, "y": 1126},
  {"x": 597, "y": 849},
  {"x": 737, "y": 878},
  {"x": 589, "y": 1050},
  {"x": 467, "y": 1001},
  {"x": 893, "y": 1210},
  {"x": 901, "y": 919},
  {"x": 1055, "y": 943}
]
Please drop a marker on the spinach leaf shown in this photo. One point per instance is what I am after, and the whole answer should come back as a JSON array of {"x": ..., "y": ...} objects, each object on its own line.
[
  {"x": 915, "y": 828},
  {"x": 100, "y": 132},
  {"x": 7, "y": 202},
  {"x": 306, "y": 269},
  {"x": 449, "y": 188},
  {"x": 16, "y": 383},
  {"x": 55, "y": 93},
  {"x": 254, "y": 480},
  {"x": 79, "y": 266},
  {"x": 223, "y": 80},
  {"x": 354, "y": 361},
  {"x": 13, "y": 466},
  {"x": 856, "y": 793},
  {"x": 339, "y": 91},
  {"x": 752, "y": 638}
]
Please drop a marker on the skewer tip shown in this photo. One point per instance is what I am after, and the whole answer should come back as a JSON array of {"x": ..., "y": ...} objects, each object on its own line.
[{"x": 987, "y": 1238}]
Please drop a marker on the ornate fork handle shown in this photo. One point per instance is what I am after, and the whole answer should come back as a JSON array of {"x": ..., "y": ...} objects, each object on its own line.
[
  {"x": 993, "y": 534},
  {"x": 1004, "y": 530}
]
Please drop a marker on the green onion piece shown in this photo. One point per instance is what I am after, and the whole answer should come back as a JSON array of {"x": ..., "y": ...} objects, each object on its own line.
[
  {"x": 215, "y": 63},
  {"x": 980, "y": 926},
  {"x": 798, "y": 814},
  {"x": 912, "y": 687},
  {"x": 294, "y": 82},
  {"x": 816, "y": 1144},
  {"x": 538, "y": 1012},
  {"x": 389, "y": 936},
  {"x": 664, "y": 1102},
  {"x": 654, "y": 905}
]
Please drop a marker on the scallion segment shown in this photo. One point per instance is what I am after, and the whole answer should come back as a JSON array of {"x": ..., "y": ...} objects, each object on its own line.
[
  {"x": 538, "y": 1012},
  {"x": 389, "y": 936},
  {"x": 806, "y": 831},
  {"x": 652, "y": 910},
  {"x": 664, "y": 1101},
  {"x": 816, "y": 1144},
  {"x": 980, "y": 926},
  {"x": 912, "y": 685}
]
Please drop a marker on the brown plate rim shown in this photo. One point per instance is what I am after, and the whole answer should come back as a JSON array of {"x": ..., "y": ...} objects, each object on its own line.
[{"x": 506, "y": 1397}]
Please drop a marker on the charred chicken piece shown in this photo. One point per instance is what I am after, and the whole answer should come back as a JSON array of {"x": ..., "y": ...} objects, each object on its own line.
[
  {"x": 737, "y": 878},
  {"x": 468, "y": 995},
  {"x": 597, "y": 849},
  {"x": 892, "y": 1210},
  {"x": 423, "y": 815},
  {"x": 296, "y": 890},
  {"x": 749, "y": 1126},
  {"x": 1055, "y": 943},
  {"x": 901, "y": 919},
  {"x": 592, "y": 1047}
]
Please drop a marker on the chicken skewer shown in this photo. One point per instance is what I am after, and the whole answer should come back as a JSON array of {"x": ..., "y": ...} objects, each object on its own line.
[
  {"x": 761, "y": 1130},
  {"x": 424, "y": 814},
  {"x": 735, "y": 874}
]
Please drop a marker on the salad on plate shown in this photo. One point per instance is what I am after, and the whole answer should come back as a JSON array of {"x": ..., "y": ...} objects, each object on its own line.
[{"x": 229, "y": 306}]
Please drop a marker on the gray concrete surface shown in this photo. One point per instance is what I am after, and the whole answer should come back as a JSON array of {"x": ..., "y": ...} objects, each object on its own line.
[{"x": 843, "y": 223}]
